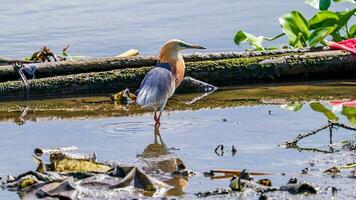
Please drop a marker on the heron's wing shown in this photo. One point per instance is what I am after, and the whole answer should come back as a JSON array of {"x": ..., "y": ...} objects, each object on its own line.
[{"x": 157, "y": 86}]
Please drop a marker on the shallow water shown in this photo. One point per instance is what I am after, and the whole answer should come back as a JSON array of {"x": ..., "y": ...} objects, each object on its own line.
[
  {"x": 94, "y": 124},
  {"x": 104, "y": 28}
]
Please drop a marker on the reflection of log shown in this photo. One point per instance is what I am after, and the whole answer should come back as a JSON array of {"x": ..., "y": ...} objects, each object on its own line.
[{"x": 209, "y": 68}]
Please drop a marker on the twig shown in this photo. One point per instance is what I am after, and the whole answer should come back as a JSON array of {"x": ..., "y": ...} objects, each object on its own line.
[
  {"x": 221, "y": 147},
  {"x": 294, "y": 142},
  {"x": 343, "y": 126},
  {"x": 300, "y": 149},
  {"x": 330, "y": 125},
  {"x": 236, "y": 172}
]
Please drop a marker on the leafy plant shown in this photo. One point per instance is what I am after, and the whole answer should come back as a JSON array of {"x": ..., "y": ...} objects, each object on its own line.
[
  {"x": 338, "y": 20},
  {"x": 295, "y": 26},
  {"x": 254, "y": 41},
  {"x": 302, "y": 32}
]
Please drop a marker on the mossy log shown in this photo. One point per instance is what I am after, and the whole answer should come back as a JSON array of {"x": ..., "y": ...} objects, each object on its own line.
[
  {"x": 50, "y": 69},
  {"x": 219, "y": 72}
]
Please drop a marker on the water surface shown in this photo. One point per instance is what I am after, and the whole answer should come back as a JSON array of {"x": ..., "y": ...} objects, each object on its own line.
[
  {"x": 108, "y": 27},
  {"x": 250, "y": 118}
]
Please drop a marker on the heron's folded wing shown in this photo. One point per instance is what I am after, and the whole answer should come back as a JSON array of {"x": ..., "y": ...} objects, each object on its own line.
[{"x": 157, "y": 86}]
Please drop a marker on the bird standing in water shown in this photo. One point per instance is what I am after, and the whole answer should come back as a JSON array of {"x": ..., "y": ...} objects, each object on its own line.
[{"x": 160, "y": 83}]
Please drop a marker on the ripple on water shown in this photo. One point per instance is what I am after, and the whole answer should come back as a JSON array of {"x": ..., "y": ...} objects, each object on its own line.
[{"x": 146, "y": 127}]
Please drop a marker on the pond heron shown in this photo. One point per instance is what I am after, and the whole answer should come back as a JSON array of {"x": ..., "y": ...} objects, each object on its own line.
[{"x": 160, "y": 83}]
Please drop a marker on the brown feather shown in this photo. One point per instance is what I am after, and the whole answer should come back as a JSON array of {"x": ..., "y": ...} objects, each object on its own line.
[{"x": 169, "y": 53}]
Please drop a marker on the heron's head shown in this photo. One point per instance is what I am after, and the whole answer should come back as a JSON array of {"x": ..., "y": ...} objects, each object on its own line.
[{"x": 174, "y": 46}]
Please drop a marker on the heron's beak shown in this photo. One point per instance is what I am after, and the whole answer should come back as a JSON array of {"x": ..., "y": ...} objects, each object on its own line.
[{"x": 194, "y": 46}]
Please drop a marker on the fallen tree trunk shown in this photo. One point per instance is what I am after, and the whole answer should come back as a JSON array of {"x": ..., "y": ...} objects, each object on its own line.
[
  {"x": 219, "y": 72},
  {"x": 50, "y": 69}
]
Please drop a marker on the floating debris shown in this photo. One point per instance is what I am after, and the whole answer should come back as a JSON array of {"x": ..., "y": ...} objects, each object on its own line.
[
  {"x": 333, "y": 172},
  {"x": 45, "y": 54},
  {"x": 129, "y": 53},
  {"x": 68, "y": 177},
  {"x": 292, "y": 181},
  {"x": 243, "y": 181},
  {"x": 264, "y": 182},
  {"x": 301, "y": 188},
  {"x": 124, "y": 97},
  {"x": 219, "y": 191}
]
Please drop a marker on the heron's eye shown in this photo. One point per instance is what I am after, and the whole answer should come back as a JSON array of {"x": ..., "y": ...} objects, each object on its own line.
[{"x": 183, "y": 45}]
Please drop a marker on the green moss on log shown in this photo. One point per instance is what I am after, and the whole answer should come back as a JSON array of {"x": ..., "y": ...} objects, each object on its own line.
[
  {"x": 217, "y": 72},
  {"x": 50, "y": 69}
]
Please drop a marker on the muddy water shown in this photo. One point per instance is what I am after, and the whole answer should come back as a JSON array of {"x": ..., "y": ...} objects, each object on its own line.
[{"x": 250, "y": 118}]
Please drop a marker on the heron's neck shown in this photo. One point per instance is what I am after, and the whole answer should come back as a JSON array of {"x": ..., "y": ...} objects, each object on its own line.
[{"x": 175, "y": 60}]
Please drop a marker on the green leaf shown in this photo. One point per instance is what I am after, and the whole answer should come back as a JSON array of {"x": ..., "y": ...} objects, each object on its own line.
[
  {"x": 323, "y": 19},
  {"x": 294, "y": 23},
  {"x": 324, "y": 4},
  {"x": 336, "y": 36},
  {"x": 318, "y": 107},
  {"x": 350, "y": 113},
  {"x": 352, "y": 31},
  {"x": 319, "y": 34},
  {"x": 256, "y": 42},
  {"x": 344, "y": 17},
  {"x": 319, "y": 4}
]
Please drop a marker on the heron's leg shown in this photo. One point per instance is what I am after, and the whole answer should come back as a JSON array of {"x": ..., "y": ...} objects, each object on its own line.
[
  {"x": 157, "y": 124},
  {"x": 159, "y": 115},
  {"x": 155, "y": 115}
]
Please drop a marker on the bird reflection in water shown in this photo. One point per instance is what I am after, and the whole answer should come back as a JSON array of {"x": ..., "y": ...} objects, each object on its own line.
[
  {"x": 159, "y": 161},
  {"x": 21, "y": 120}
]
